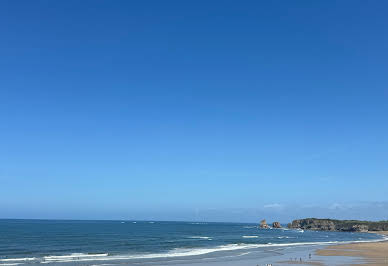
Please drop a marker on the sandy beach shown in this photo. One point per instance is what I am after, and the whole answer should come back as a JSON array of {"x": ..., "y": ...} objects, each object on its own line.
[{"x": 370, "y": 253}]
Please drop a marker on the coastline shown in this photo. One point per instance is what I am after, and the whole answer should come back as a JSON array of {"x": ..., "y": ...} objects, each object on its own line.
[
  {"x": 195, "y": 244},
  {"x": 373, "y": 253}
]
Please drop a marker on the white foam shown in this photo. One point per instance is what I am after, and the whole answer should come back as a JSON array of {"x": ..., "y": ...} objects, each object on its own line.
[
  {"x": 250, "y": 236},
  {"x": 75, "y": 255},
  {"x": 201, "y": 237},
  {"x": 18, "y": 259}
]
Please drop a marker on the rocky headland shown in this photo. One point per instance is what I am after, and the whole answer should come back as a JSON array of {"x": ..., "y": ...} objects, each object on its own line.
[{"x": 338, "y": 225}]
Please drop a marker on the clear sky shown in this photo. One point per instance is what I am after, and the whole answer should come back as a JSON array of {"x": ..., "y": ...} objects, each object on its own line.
[{"x": 193, "y": 109}]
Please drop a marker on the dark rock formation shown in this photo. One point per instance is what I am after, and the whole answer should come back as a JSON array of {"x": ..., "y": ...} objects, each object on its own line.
[
  {"x": 263, "y": 224},
  {"x": 360, "y": 228},
  {"x": 338, "y": 225},
  {"x": 276, "y": 225},
  {"x": 313, "y": 224}
]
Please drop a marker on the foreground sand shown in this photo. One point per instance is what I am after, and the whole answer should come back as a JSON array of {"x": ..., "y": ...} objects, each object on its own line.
[{"x": 372, "y": 253}]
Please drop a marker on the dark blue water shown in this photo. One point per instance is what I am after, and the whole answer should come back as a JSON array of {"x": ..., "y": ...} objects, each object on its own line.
[{"x": 42, "y": 241}]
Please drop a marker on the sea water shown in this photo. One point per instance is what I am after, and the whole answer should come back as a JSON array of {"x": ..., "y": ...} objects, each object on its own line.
[{"x": 127, "y": 242}]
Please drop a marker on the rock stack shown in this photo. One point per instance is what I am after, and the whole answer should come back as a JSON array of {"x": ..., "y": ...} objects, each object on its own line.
[
  {"x": 263, "y": 224},
  {"x": 276, "y": 225}
]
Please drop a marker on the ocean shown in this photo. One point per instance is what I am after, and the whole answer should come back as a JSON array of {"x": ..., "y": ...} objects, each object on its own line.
[{"x": 68, "y": 242}]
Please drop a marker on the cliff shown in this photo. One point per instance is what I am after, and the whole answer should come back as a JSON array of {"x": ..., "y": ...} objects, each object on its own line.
[{"x": 338, "y": 225}]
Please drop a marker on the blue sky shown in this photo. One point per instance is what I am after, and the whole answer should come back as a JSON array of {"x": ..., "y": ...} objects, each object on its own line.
[{"x": 193, "y": 109}]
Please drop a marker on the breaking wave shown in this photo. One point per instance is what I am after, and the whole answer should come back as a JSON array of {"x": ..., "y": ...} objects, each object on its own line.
[{"x": 201, "y": 237}]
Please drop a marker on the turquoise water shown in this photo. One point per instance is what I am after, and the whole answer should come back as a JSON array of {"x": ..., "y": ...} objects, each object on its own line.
[{"x": 98, "y": 242}]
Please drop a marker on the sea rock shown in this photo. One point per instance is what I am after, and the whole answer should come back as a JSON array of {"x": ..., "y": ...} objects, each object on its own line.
[
  {"x": 276, "y": 225},
  {"x": 263, "y": 224},
  {"x": 360, "y": 228}
]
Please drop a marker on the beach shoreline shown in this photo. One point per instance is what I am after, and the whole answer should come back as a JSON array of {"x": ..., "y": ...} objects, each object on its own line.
[
  {"x": 216, "y": 244},
  {"x": 369, "y": 253}
]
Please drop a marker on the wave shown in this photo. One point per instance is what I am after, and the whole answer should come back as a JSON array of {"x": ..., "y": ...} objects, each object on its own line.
[
  {"x": 75, "y": 255},
  {"x": 250, "y": 236},
  {"x": 56, "y": 258},
  {"x": 179, "y": 252},
  {"x": 201, "y": 237},
  {"x": 18, "y": 259}
]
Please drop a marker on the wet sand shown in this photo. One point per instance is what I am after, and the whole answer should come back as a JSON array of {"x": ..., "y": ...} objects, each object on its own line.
[{"x": 369, "y": 253}]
